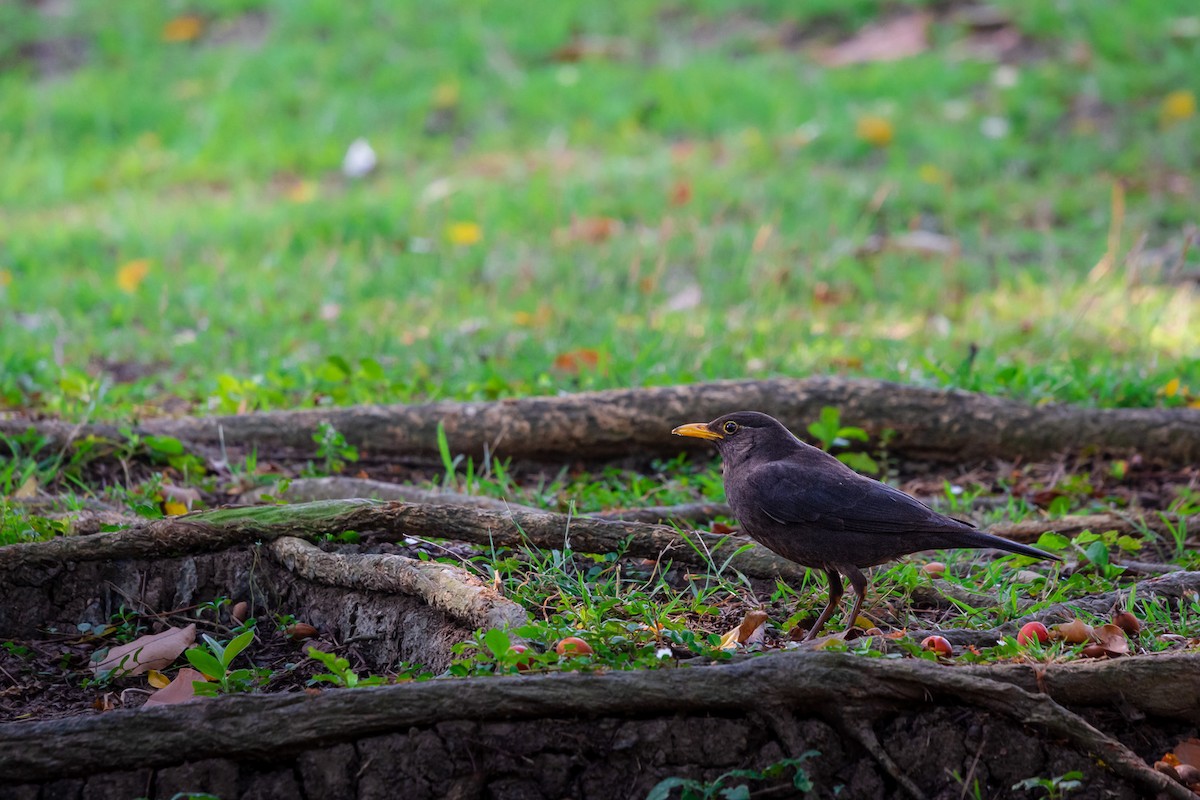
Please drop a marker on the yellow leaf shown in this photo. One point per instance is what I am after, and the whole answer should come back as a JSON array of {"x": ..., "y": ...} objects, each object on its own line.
[
  {"x": 445, "y": 95},
  {"x": 183, "y": 29},
  {"x": 5, "y": 278},
  {"x": 464, "y": 233},
  {"x": 157, "y": 679},
  {"x": 173, "y": 508},
  {"x": 1172, "y": 387},
  {"x": 131, "y": 274},
  {"x": 730, "y": 640},
  {"x": 931, "y": 173},
  {"x": 1177, "y": 106},
  {"x": 301, "y": 192},
  {"x": 875, "y": 131},
  {"x": 27, "y": 489}
]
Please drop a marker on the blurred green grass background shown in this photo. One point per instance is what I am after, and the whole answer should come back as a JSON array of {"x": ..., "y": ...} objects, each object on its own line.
[{"x": 579, "y": 195}]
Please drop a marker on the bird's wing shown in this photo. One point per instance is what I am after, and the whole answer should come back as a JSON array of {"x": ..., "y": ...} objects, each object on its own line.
[{"x": 835, "y": 500}]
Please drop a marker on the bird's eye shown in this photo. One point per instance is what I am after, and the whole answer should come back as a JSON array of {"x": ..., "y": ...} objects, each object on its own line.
[{"x": 730, "y": 427}]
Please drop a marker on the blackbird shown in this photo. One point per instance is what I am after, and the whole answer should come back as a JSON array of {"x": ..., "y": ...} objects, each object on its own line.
[{"x": 810, "y": 508}]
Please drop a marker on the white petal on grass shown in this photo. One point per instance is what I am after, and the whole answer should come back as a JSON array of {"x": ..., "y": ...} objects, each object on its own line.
[
  {"x": 688, "y": 297},
  {"x": 994, "y": 127},
  {"x": 360, "y": 159},
  {"x": 1006, "y": 76}
]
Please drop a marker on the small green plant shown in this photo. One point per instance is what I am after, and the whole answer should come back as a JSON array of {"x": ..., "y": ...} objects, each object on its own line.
[
  {"x": 18, "y": 650},
  {"x": 829, "y": 431},
  {"x": 17, "y": 525},
  {"x": 345, "y": 537},
  {"x": 1098, "y": 549},
  {"x": 1054, "y": 788},
  {"x": 332, "y": 449},
  {"x": 214, "y": 661},
  {"x": 449, "y": 464},
  {"x": 691, "y": 789},
  {"x": 339, "y": 673},
  {"x": 213, "y": 607}
]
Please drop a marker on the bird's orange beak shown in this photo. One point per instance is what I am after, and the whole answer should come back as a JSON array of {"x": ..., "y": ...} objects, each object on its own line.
[{"x": 697, "y": 430}]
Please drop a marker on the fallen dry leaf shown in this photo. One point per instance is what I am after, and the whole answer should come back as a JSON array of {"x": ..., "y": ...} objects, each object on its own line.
[
  {"x": 1128, "y": 623},
  {"x": 750, "y": 629},
  {"x": 752, "y": 625},
  {"x": 183, "y": 29},
  {"x": 681, "y": 193},
  {"x": 686, "y": 298},
  {"x": 184, "y": 496},
  {"x": 1074, "y": 632},
  {"x": 575, "y": 360},
  {"x": 1188, "y": 752},
  {"x": 179, "y": 690},
  {"x": 874, "y": 130},
  {"x": 131, "y": 274},
  {"x": 590, "y": 230},
  {"x": 1113, "y": 640},
  {"x": 464, "y": 234},
  {"x": 891, "y": 40},
  {"x": 1177, "y": 107},
  {"x": 153, "y": 651},
  {"x": 157, "y": 679},
  {"x": 172, "y": 509}
]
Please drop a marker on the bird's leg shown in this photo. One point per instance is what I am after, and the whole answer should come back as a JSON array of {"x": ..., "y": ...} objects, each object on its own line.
[
  {"x": 835, "y": 596},
  {"x": 859, "y": 582}
]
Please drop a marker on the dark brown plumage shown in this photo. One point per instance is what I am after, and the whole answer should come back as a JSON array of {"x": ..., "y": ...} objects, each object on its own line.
[{"x": 810, "y": 508}]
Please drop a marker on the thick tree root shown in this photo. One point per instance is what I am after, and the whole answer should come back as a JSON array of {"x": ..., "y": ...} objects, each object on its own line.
[
  {"x": 307, "y": 490},
  {"x": 834, "y": 685},
  {"x": 931, "y": 424},
  {"x": 451, "y": 590},
  {"x": 212, "y": 530}
]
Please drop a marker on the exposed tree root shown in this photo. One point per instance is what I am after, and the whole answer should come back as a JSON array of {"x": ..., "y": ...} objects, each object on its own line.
[
  {"x": 446, "y": 588},
  {"x": 305, "y": 490},
  {"x": 338, "y": 487},
  {"x": 822, "y": 684},
  {"x": 931, "y": 424},
  {"x": 212, "y": 530}
]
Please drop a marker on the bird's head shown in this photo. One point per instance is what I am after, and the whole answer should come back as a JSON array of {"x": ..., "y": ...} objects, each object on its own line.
[{"x": 739, "y": 434}]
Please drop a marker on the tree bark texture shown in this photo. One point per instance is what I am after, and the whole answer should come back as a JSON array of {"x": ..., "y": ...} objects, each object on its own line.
[
  {"x": 205, "y": 531},
  {"x": 339, "y": 487},
  {"x": 401, "y": 609},
  {"x": 772, "y": 705},
  {"x": 932, "y": 424}
]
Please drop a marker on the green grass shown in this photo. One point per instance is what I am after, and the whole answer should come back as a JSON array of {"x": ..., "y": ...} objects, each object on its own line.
[{"x": 275, "y": 282}]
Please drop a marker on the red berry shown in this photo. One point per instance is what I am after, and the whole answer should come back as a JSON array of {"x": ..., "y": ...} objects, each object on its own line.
[
  {"x": 1033, "y": 631},
  {"x": 573, "y": 646},
  {"x": 939, "y": 645},
  {"x": 524, "y": 663},
  {"x": 934, "y": 569}
]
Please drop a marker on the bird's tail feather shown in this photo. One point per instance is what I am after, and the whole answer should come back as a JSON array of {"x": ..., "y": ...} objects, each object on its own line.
[{"x": 989, "y": 540}]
